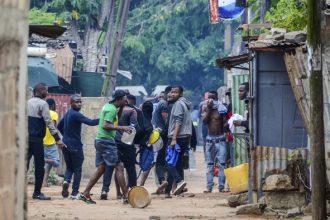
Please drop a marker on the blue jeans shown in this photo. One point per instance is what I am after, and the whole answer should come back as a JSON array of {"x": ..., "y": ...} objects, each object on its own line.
[
  {"x": 107, "y": 175},
  {"x": 230, "y": 153},
  {"x": 74, "y": 159},
  {"x": 215, "y": 151}
]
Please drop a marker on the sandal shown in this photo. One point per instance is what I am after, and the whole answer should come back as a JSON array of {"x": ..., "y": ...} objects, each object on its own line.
[{"x": 87, "y": 199}]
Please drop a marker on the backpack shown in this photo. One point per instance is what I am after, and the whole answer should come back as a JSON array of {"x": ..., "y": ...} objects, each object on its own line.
[
  {"x": 140, "y": 127},
  {"x": 146, "y": 158}
]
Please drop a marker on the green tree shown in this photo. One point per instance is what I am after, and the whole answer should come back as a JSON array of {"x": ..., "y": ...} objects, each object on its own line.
[
  {"x": 172, "y": 42},
  {"x": 289, "y": 14},
  {"x": 38, "y": 16},
  {"x": 90, "y": 22}
]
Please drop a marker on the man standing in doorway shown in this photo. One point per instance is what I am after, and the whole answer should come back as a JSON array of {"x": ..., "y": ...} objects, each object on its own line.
[
  {"x": 215, "y": 148},
  {"x": 179, "y": 132},
  {"x": 105, "y": 145},
  {"x": 38, "y": 119},
  {"x": 70, "y": 126},
  {"x": 243, "y": 91}
]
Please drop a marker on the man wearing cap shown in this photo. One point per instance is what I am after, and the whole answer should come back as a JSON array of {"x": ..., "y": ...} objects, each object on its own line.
[
  {"x": 126, "y": 151},
  {"x": 105, "y": 145},
  {"x": 70, "y": 127},
  {"x": 38, "y": 119}
]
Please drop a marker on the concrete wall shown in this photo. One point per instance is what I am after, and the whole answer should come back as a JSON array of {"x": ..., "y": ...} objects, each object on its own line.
[
  {"x": 13, "y": 43},
  {"x": 91, "y": 109}
]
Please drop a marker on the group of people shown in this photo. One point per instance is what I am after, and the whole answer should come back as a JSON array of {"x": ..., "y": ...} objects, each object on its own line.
[{"x": 170, "y": 117}]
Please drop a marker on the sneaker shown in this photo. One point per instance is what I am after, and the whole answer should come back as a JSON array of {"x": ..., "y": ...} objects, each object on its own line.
[
  {"x": 168, "y": 196},
  {"x": 65, "y": 189},
  {"x": 75, "y": 197},
  {"x": 179, "y": 187},
  {"x": 207, "y": 191},
  {"x": 119, "y": 197},
  {"x": 162, "y": 187},
  {"x": 124, "y": 200},
  {"x": 40, "y": 196},
  {"x": 104, "y": 195},
  {"x": 87, "y": 199}
]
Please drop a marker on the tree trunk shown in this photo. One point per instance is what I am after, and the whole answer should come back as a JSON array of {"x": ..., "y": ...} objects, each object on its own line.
[
  {"x": 116, "y": 46},
  {"x": 89, "y": 50},
  {"x": 317, "y": 124}
]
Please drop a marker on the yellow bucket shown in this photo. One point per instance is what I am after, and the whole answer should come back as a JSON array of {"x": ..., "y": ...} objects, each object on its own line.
[
  {"x": 139, "y": 197},
  {"x": 238, "y": 178}
]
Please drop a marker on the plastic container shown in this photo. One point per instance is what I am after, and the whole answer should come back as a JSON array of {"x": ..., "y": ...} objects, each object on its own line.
[
  {"x": 128, "y": 138},
  {"x": 238, "y": 178}
]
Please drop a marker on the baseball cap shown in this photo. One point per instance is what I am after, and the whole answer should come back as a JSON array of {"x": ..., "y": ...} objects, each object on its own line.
[{"x": 118, "y": 94}]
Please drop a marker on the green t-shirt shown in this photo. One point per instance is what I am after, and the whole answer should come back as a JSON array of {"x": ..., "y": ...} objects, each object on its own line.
[{"x": 108, "y": 113}]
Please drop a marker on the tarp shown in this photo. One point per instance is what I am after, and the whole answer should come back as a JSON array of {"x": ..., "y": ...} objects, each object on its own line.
[
  {"x": 41, "y": 70},
  {"x": 228, "y": 9}
]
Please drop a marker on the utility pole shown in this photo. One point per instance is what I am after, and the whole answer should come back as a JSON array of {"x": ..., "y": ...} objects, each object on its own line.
[
  {"x": 109, "y": 83},
  {"x": 316, "y": 110}
]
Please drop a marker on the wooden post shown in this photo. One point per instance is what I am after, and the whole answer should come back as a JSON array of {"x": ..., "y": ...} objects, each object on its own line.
[
  {"x": 109, "y": 83},
  {"x": 317, "y": 123}
]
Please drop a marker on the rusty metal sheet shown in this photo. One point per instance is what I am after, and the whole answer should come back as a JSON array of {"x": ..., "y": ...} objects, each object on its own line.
[
  {"x": 267, "y": 160},
  {"x": 63, "y": 61},
  {"x": 62, "y": 103}
]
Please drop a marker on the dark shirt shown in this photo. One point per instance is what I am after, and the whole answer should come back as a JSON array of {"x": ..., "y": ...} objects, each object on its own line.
[
  {"x": 157, "y": 118},
  {"x": 70, "y": 127},
  {"x": 127, "y": 118}
]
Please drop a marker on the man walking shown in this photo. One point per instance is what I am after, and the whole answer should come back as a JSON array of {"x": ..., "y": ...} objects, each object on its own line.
[
  {"x": 52, "y": 158},
  {"x": 70, "y": 126},
  {"x": 38, "y": 119},
  {"x": 126, "y": 152},
  {"x": 105, "y": 145},
  {"x": 179, "y": 132},
  {"x": 215, "y": 148},
  {"x": 159, "y": 119}
]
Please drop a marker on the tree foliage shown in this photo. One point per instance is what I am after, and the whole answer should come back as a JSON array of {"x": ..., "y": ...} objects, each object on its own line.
[
  {"x": 172, "y": 42},
  {"x": 289, "y": 15},
  {"x": 39, "y": 16}
]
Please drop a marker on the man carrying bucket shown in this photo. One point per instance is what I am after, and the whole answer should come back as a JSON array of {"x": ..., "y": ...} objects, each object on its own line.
[{"x": 105, "y": 145}]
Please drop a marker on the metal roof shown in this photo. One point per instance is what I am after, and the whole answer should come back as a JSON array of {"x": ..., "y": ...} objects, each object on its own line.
[
  {"x": 233, "y": 61},
  {"x": 134, "y": 90}
]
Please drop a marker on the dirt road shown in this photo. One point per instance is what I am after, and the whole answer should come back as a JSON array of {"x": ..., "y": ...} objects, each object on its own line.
[{"x": 201, "y": 206}]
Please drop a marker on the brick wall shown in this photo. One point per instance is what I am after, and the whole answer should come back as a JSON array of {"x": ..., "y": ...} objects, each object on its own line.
[{"x": 13, "y": 42}]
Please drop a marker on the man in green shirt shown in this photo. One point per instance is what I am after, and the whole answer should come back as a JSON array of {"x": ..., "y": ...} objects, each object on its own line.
[{"x": 105, "y": 145}]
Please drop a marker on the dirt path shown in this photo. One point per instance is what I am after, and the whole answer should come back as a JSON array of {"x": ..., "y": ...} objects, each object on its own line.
[{"x": 201, "y": 206}]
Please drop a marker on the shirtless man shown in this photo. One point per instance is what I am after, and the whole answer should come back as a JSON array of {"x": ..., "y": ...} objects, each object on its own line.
[{"x": 215, "y": 149}]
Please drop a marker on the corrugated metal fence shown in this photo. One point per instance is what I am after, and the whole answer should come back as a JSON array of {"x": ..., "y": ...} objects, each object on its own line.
[
  {"x": 238, "y": 107},
  {"x": 271, "y": 160}
]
